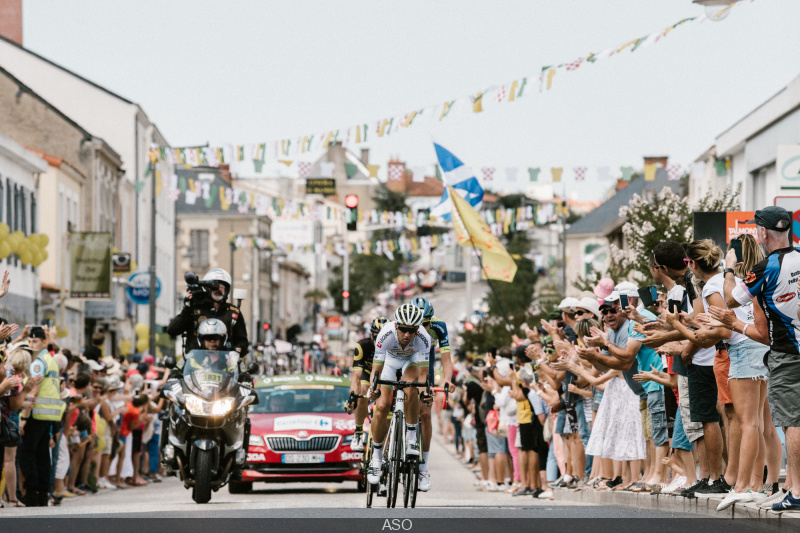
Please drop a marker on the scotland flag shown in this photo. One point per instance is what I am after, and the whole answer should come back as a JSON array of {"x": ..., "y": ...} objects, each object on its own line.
[{"x": 461, "y": 178}]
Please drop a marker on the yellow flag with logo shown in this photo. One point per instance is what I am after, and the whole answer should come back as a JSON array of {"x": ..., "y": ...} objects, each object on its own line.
[{"x": 472, "y": 230}]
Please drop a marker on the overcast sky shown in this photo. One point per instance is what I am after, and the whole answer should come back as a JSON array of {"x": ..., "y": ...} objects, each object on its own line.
[{"x": 248, "y": 71}]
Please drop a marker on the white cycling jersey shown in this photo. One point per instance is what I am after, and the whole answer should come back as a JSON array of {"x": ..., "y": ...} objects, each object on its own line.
[{"x": 388, "y": 347}]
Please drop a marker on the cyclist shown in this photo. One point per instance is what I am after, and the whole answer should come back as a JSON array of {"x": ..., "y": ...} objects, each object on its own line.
[
  {"x": 401, "y": 345},
  {"x": 360, "y": 380},
  {"x": 437, "y": 329}
]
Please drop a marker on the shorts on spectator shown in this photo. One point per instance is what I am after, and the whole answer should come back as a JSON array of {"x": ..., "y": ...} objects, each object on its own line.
[
  {"x": 658, "y": 416},
  {"x": 783, "y": 388},
  {"x": 679, "y": 439},
  {"x": 722, "y": 367},
  {"x": 136, "y": 441},
  {"x": 692, "y": 430},
  {"x": 703, "y": 394},
  {"x": 496, "y": 445},
  {"x": 527, "y": 437},
  {"x": 747, "y": 360}
]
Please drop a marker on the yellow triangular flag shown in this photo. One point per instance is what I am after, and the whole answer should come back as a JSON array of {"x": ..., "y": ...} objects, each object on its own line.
[
  {"x": 650, "y": 172},
  {"x": 472, "y": 230}
]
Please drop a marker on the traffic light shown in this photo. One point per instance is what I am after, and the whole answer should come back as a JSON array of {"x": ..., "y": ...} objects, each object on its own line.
[
  {"x": 266, "y": 326},
  {"x": 468, "y": 326},
  {"x": 345, "y": 294},
  {"x": 351, "y": 202}
]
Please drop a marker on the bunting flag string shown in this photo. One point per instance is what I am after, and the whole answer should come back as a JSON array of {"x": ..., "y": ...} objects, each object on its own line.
[{"x": 475, "y": 102}]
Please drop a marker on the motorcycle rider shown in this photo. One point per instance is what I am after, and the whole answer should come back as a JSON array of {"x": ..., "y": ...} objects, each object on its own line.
[
  {"x": 212, "y": 335},
  {"x": 361, "y": 378},
  {"x": 195, "y": 312}
]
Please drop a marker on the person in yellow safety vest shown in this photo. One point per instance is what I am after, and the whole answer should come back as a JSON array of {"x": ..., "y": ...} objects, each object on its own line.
[{"x": 44, "y": 420}]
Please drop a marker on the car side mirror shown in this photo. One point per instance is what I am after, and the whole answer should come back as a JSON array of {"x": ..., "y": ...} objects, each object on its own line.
[
  {"x": 170, "y": 362},
  {"x": 253, "y": 369}
]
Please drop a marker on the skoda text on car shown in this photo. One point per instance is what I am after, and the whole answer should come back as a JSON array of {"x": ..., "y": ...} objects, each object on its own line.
[{"x": 300, "y": 432}]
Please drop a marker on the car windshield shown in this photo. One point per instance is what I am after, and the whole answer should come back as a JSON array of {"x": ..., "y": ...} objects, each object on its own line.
[{"x": 303, "y": 399}]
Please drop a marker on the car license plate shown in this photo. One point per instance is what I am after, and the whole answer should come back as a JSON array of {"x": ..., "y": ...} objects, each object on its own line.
[{"x": 296, "y": 458}]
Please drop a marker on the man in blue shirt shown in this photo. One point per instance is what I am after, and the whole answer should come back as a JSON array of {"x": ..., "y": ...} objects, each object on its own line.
[{"x": 630, "y": 356}]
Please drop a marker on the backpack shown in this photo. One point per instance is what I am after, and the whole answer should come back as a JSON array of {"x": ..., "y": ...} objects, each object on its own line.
[{"x": 492, "y": 421}]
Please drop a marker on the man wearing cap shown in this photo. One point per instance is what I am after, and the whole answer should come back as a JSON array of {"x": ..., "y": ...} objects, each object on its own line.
[
  {"x": 34, "y": 453},
  {"x": 475, "y": 393},
  {"x": 772, "y": 284}
]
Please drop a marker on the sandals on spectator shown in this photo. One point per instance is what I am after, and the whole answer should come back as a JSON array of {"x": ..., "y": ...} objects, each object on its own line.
[
  {"x": 602, "y": 485},
  {"x": 78, "y": 492},
  {"x": 624, "y": 487},
  {"x": 15, "y": 503}
]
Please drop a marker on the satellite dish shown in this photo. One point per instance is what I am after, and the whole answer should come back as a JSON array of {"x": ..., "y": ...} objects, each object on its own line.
[{"x": 717, "y": 12}]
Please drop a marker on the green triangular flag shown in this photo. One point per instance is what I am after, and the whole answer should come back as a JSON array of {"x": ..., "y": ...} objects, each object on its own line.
[
  {"x": 438, "y": 173},
  {"x": 182, "y": 184},
  {"x": 148, "y": 170},
  {"x": 212, "y": 195},
  {"x": 139, "y": 186},
  {"x": 627, "y": 173},
  {"x": 720, "y": 166},
  {"x": 522, "y": 87},
  {"x": 350, "y": 169},
  {"x": 534, "y": 173},
  {"x": 258, "y": 164}
]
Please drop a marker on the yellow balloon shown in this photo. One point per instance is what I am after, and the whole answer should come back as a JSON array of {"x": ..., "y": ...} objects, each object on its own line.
[
  {"x": 142, "y": 345},
  {"x": 125, "y": 347},
  {"x": 5, "y": 249},
  {"x": 44, "y": 255},
  {"x": 4, "y": 230},
  {"x": 142, "y": 330},
  {"x": 25, "y": 257},
  {"x": 19, "y": 234},
  {"x": 44, "y": 239},
  {"x": 33, "y": 239}
]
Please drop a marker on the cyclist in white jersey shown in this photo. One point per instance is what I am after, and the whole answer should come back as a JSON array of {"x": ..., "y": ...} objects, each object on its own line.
[{"x": 401, "y": 345}]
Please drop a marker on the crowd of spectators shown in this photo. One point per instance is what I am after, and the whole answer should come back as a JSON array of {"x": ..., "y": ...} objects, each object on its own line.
[
  {"x": 72, "y": 424},
  {"x": 675, "y": 388}
]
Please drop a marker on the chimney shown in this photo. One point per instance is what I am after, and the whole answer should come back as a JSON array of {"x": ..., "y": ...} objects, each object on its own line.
[
  {"x": 11, "y": 20},
  {"x": 365, "y": 156}
]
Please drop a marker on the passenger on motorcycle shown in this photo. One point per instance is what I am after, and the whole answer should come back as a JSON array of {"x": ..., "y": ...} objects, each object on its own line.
[
  {"x": 401, "y": 345},
  {"x": 363, "y": 356}
]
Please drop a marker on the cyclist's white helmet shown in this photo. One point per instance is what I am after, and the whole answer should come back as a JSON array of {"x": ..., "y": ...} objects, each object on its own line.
[
  {"x": 221, "y": 275},
  {"x": 212, "y": 327},
  {"x": 409, "y": 315}
]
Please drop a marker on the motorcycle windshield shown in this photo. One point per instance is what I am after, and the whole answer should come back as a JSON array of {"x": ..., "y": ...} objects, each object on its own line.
[{"x": 210, "y": 373}]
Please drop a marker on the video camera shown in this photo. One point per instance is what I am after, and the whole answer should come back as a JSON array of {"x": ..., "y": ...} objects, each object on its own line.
[{"x": 199, "y": 289}]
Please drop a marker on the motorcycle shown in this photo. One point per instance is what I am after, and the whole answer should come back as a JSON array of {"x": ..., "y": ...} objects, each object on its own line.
[{"x": 208, "y": 426}]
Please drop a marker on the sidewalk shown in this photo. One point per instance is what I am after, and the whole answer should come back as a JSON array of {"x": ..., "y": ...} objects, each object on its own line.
[{"x": 666, "y": 502}]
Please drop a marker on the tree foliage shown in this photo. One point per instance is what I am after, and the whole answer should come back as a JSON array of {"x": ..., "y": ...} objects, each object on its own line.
[{"x": 664, "y": 216}]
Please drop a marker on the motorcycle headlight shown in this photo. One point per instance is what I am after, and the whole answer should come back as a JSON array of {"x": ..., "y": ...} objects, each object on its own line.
[
  {"x": 221, "y": 407},
  {"x": 194, "y": 404},
  {"x": 256, "y": 440}
]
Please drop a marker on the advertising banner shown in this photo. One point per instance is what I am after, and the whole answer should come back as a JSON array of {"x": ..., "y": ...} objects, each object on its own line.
[{"x": 90, "y": 265}]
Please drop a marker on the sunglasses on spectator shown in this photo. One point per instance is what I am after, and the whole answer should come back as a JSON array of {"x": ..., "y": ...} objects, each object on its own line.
[
  {"x": 403, "y": 329},
  {"x": 581, "y": 312},
  {"x": 610, "y": 310},
  {"x": 97, "y": 387}
]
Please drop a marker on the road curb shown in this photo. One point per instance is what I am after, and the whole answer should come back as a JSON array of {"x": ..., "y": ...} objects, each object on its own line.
[{"x": 678, "y": 504}]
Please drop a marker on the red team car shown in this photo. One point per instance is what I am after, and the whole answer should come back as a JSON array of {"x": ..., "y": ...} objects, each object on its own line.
[{"x": 300, "y": 432}]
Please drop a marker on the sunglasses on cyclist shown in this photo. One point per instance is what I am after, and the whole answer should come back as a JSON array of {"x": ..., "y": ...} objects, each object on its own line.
[
  {"x": 426, "y": 323},
  {"x": 406, "y": 329}
]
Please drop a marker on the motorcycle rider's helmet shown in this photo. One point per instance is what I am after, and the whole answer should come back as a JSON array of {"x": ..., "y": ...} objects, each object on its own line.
[
  {"x": 377, "y": 324},
  {"x": 408, "y": 315},
  {"x": 221, "y": 275},
  {"x": 427, "y": 308},
  {"x": 212, "y": 328}
]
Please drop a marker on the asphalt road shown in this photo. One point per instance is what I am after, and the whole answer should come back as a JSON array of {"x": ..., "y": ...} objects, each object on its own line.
[{"x": 453, "y": 496}]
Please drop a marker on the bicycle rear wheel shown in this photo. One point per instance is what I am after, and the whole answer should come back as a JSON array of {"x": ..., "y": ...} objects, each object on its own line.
[{"x": 398, "y": 455}]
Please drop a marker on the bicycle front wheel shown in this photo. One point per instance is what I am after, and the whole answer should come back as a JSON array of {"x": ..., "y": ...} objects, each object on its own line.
[{"x": 398, "y": 455}]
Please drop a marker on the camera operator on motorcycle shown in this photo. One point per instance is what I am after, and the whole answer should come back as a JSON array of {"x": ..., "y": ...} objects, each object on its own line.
[{"x": 207, "y": 299}]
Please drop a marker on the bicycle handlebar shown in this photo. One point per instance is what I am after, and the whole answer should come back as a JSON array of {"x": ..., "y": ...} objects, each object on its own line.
[
  {"x": 446, "y": 391},
  {"x": 400, "y": 384}
]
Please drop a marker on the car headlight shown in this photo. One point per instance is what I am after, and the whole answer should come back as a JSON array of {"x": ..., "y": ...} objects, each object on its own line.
[
  {"x": 194, "y": 404},
  {"x": 256, "y": 440},
  {"x": 221, "y": 407}
]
